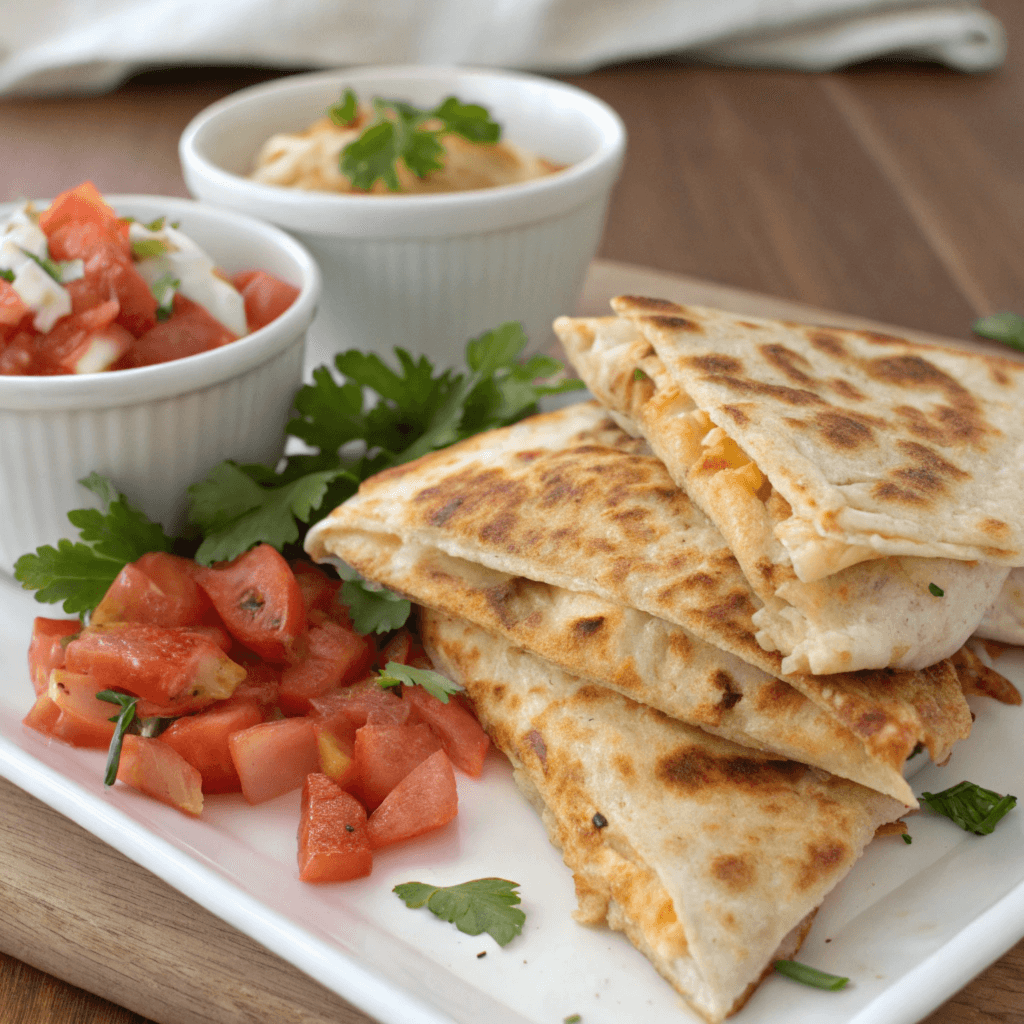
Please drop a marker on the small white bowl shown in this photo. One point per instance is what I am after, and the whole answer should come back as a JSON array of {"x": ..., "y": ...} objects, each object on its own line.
[
  {"x": 156, "y": 429},
  {"x": 426, "y": 272}
]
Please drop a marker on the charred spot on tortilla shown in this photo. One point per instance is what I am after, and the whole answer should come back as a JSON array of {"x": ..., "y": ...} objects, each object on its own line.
[
  {"x": 828, "y": 342},
  {"x": 822, "y": 861},
  {"x": 844, "y": 430},
  {"x": 790, "y": 363},
  {"x": 736, "y": 873},
  {"x": 588, "y": 627}
]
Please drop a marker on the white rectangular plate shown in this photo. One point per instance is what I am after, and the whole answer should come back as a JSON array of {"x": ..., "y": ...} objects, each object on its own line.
[{"x": 910, "y": 925}]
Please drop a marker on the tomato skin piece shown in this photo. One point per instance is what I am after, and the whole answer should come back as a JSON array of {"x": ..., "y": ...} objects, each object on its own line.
[
  {"x": 188, "y": 331},
  {"x": 46, "y": 648},
  {"x": 385, "y": 754},
  {"x": 318, "y": 589},
  {"x": 334, "y": 656},
  {"x": 398, "y": 648},
  {"x": 83, "y": 203},
  {"x": 266, "y": 297},
  {"x": 274, "y": 757},
  {"x": 259, "y": 601},
  {"x": 159, "y": 588},
  {"x": 109, "y": 271},
  {"x": 68, "y": 711},
  {"x": 153, "y": 768},
  {"x": 202, "y": 740},
  {"x": 361, "y": 703},
  {"x": 173, "y": 667},
  {"x": 461, "y": 735},
  {"x": 332, "y": 838},
  {"x": 426, "y": 799},
  {"x": 12, "y": 309}
]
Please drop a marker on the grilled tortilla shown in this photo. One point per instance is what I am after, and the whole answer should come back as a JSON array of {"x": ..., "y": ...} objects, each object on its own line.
[
  {"x": 877, "y": 445},
  {"x": 1004, "y": 621},
  {"x": 569, "y": 499},
  {"x": 709, "y": 856},
  {"x": 877, "y": 613}
]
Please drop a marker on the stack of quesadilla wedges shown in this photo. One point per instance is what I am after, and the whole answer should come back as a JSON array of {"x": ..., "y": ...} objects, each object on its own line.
[
  {"x": 605, "y": 631},
  {"x": 712, "y": 718}
]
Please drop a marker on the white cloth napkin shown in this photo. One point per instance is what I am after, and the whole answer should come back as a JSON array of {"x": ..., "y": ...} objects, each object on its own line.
[{"x": 52, "y": 47}]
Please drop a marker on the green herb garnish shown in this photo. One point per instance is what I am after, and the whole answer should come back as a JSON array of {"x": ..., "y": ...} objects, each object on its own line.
[
  {"x": 7, "y": 275},
  {"x": 123, "y": 722},
  {"x": 80, "y": 573},
  {"x": 163, "y": 289},
  {"x": 974, "y": 809},
  {"x": 935, "y": 591},
  {"x": 810, "y": 975},
  {"x": 573, "y": 1018},
  {"x": 907, "y": 838},
  {"x": 437, "y": 685},
  {"x": 1005, "y": 327},
  {"x": 373, "y": 609},
  {"x": 483, "y": 905},
  {"x": 398, "y": 132},
  {"x": 639, "y": 374},
  {"x": 147, "y": 248}
]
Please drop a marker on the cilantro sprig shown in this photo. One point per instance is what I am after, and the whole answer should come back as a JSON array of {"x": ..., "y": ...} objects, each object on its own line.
[
  {"x": 366, "y": 417},
  {"x": 437, "y": 685},
  {"x": 1005, "y": 327},
  {"x": 127, "y": 721},
  {"x": 482, "y": 905},
  {"x": 974, "y": 809},
  {"x": 401, "y": 131},
  {"x": 810, "y": 975},
  {"x": 79, "y": 573}
]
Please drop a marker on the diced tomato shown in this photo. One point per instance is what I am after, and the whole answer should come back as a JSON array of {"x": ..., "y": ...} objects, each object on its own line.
[
  {"x": 318, "y": 589},
  {"x": 398, "y": 648},
  {"x": 261, "y": 604},
  {"x": 109, "y": 271},
  {"x": 82, "y": 204},
  {"x": 71, "y": 334},
  {"x": 333, "y": 845},
  {"x": 153, "y": 768},
  {"x": 202, "y": 740},
  {"x": 334, "y": 656},
  {"x": 46, "y": 648},
  {"x": 274, "y": 757},
  {"x": 266, "y": 297},
  {"x": 86, "y": 717},
  {"x": 385, "y": 754},
  {"x": 260, "y": 684},
  {"x": 159, "y": 588},
  {"x": 174, "y": 667},
  {"x": 424, "y": 800},
  {"x": 12, "y": 309},
  {"x": 18, "y": 356},
  {"x": 336, "y": 744},
  {"x": 75, "y": 717},
  {"x": 99, "y": 350},
  {"x": 188, "y": 331},
  {"x": 362, "y": 702},
  {"x": 461, "y": 735}
]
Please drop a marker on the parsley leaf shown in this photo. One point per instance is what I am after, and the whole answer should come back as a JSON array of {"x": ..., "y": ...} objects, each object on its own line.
[
  {"x": 399, "y": 132},
  {"x": 935, "y": 590},
  {"x": 483, "y": 905},
  {"x": 372, "y": 608},
  {"x": 974, "y": 809},
  {"x": 7, "y": 275},
  {"x": 413, "y": 411},
  {"x": 437, "y": 685},
  {"x": 810, "y": 975},
  {"x": 1005, "y": 327},
  {"x": 235, "y": 512},
  {"x": 80, "y": 573}
]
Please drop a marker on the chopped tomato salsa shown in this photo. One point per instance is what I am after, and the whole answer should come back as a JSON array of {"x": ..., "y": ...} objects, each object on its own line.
[
  {"x": 248, "y": 677},
  {"x": 83, "y": 290}
]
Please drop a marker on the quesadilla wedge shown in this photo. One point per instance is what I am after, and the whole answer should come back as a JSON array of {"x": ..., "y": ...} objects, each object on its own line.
[
  {"x": 570, "y": 500},
  {"x": 647, "y": 659},
  {"x": 877, "y": 445},
  {"x": 885, "y": 612},
  {"x": 711, "y": 857}
]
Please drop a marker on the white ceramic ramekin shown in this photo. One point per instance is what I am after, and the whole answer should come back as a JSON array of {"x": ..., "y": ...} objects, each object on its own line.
[
  {"x": 156, "y": 429},
  {"x": 426, "y": 272}
]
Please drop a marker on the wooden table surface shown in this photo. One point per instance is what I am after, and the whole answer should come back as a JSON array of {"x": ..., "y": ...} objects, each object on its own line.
[{"x": 894, "y": 192}]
